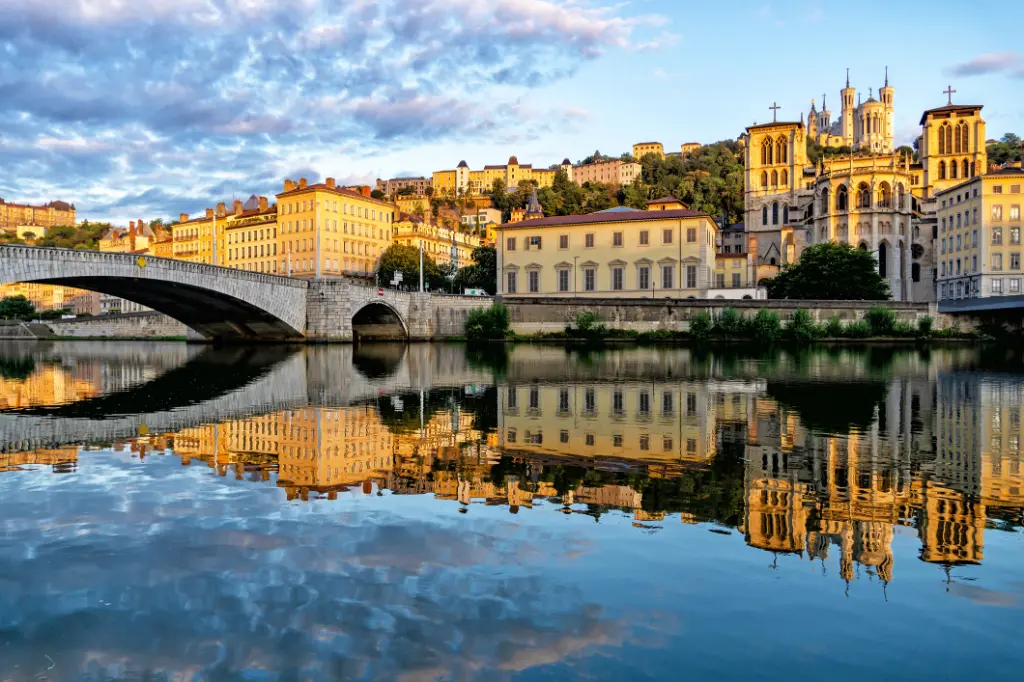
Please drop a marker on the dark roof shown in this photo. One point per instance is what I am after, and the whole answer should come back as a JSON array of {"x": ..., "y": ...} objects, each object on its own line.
[
  {"x": 252, "y": 204},
  {"x": 618, "y": 209},
  {"x": 566, "y": 162},
  {"x": 640, "y": 143},
  {"x": 513, "y": 161},
  {"x": 336, "y": 190},
  {"x": 776, "y": 123},
  {"x": 462, "y": 164},
  {"x": 1009, "y": 170},
  {"x": 607, "y": 218},
  {"x": 60, "y": 205},
  {"x": 665, "y": 200},
  {"x": 967, "y": 108}
]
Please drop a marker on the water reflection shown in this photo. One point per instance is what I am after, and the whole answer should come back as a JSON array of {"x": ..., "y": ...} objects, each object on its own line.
[{"x": 851, "y": 462}]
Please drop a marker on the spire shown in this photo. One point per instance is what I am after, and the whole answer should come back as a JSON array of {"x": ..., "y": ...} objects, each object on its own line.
[
  {"x": 533, "y": 209},
  {"x": 847, "y": 76},
  {"x": 886, "y": 76},
  {"x": 823, "y": 106}
]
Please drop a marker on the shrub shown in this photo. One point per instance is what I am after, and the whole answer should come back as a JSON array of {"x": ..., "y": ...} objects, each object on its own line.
[
  {"x": 587, "y": 327},
  {"x": 857, "y": 330},
  {"x": 700, "y": 326},
  {"x": 488, "y": 323},
  {"x": 802, "y": 327},
  {"x": 730, "y": 323},
  {"x": 834, "y": 327},
  {"x": 765, "y": 326},
  {"x": 924, "y": 326},
  {"x": 903, "y": 329},
  {"x": 881, "y": 321}
]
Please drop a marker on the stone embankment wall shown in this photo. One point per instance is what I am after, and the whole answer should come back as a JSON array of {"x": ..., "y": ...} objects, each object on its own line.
[
  {"x": 130, "y": 325},
  {"x": 540, "y": 315}
]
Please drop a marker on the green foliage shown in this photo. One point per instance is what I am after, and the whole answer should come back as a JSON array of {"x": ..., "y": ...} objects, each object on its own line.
[
  {"x": 53, "y": 314},
  {"x": 802, "y": 328},
  {"x": 488, "y": 323},
  {"x": 830, "y": 271},
  {"x": 882, "y": 321},
  {"x": 17, "y": 367},
  {"x": 587, "y": 326},
  {"x": 84, "y": 235},
  {"x": 857, "y": 330},
  {"x": 730, "y": 323},
  {"x": 765, "y": 326},
  {"x": 815, "y": 151},
  {"x": 834, "y": 327},
  {"x": 1005, "y": 150},
  {"x": 17, "y": 308},
  {"x": 482, "y": 274},
  {"x": 707, "y": 179},
  {"x": 406, "y": 259},
  {"x": 377, "y": 194},
  {"x": 903, "y": 329},
  {"x": 700, "y": 326},
  {"x": 924, "y": 326}
]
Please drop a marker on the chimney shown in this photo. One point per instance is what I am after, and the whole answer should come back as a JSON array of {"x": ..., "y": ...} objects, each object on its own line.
[
  {"x": 263, "y": 204},
  {"x": 131, "y": 236},
  {"x": 364, "y": 190},
  {"x": 183, "y": 217},
  {"x": 222, "y": 209},
  {"x": 209, "y": 213},
  {"x": 131, "y": 228},
  {"x": 237, "y": 206},
  {"x": 302, "y": 183},
  {"x": 289, "y": 185},
  {"x": 331, "y": 183}
]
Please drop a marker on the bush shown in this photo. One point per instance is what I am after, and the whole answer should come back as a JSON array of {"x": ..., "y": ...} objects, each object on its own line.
[
  {"x": 924, "y": 326},
  {"x": 834, "y": 327},
  {"x": 700, "y": 326},
  {"x": 881, "y": 321},
  {"x": 730, "y": 323},
  {"x": 857, "y": 330},
  {"x": 488, "y": 323},
  {"x": 765, "y": 326},
  {"x": 903, "y": 329},
  {"x": 587, "y": 327},
  {"x": 801, "y": 327}
]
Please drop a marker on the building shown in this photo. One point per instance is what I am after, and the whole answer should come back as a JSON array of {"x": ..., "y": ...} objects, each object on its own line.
[
  {"x": 689, "y": 147},
  {"x": 642, "y": 149},
  {"x": 443, "y": 244},
  {"x": 462, "y": 180},
  {"x": 864, "y": 126},
  {"x": 615, "y": 253},
  {"x": 666, "y": 204},
  {"x": 201, "y": 239},
  {"x": 412, "y": 203},
  {"x": 13, "y": 216},
  {"x": 481, "y": 218},
  {"x": 394, "y": 186},
  {"x": 325, "y": 230},
  {"x": 138, "y": 238},
  {"x": 250, "y": 233},
  {"x": 46, "y": 297},
  {"x": 611, "y": 172},
  {"x": 979, "y": 226}
]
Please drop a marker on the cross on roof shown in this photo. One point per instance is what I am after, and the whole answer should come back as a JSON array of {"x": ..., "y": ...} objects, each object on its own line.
[
  {"x": 949, "y": 91},
  {"x": 775, "y": 111}
]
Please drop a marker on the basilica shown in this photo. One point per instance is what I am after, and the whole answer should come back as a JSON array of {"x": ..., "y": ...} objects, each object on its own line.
[{"x": 861, "y": 191}]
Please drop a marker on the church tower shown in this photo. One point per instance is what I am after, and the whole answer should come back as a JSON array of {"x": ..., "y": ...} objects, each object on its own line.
[
  {"x": 812, "y": 122},
  {"x": 824, "y": 117},
  {"x": 848, "y": 94},
  {"x": 885, "y": 94}
]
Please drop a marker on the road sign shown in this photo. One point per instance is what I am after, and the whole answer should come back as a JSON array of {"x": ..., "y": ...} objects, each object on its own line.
[{"x": 380, "y": 292}]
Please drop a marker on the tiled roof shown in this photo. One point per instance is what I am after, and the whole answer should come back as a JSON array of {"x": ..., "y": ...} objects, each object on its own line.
[
  {"x": 322, "y": 186},
  {"x": 591, "y": 218},
  {"x": 969, "y": 108},
  {"x": 664, "y": 200}
]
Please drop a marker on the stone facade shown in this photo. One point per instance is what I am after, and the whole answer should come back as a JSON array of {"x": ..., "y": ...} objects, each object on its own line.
[{"x": 129, "y": 325}]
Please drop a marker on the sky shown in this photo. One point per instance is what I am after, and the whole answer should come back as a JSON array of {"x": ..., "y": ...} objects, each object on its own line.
[{"x": 149, "y": 108}]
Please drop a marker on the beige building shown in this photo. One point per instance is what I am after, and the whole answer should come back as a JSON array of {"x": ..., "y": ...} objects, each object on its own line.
[
  {"x": 13, "y": 216},
  {"x": 393, "y": 186},
  {"x": 615, "y": 253},
  {"x": 688, "y": 147},
  {"x": 979, "y": 244},
  {"x": 443, "y": 244},
  {"x": 250, "y": 235},
  {"x": 642, "y": 149},
  {"x": 463, "y": 181},
  {"x": 614, "y": 172}
]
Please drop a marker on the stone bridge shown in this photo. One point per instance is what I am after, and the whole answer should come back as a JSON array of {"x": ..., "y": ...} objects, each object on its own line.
[{"x": 228, "y": 304}]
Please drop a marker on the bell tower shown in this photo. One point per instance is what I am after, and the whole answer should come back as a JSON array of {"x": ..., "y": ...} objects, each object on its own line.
[{"x": 848, "y": 96}]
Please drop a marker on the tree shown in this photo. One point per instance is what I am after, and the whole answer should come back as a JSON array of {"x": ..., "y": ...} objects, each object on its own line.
[
  {"x": 908, "y": 150},
  {"x": 16, "y": 308},
  {"x": 406, "y": 259},
  {"x": 429, "y": 192},
  {"x": 482, "y": 274},
  {"x": 28, "y": 235},
  {"x": 377, "y": 194},
  {"x": 830, "y": 271},
  {"x": 1005, "y": 150}
]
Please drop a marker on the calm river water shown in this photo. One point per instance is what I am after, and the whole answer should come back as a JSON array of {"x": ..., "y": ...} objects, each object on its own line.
[{"x": 433, "y": 512}]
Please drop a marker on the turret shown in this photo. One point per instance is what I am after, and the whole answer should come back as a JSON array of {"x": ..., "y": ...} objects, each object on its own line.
[
  {"x": 848, "y": 95},
  {"x": 566, "y": 167}
]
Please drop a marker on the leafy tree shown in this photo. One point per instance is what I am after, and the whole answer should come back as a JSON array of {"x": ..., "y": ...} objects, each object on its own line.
[
  {"x": 482, "y": 274},
  {"x": 488, "y": 323},
  {"x": 908, "y": 150},
  {"x": 830, "y": 272},
  {"x": 1005, "y": 150},
  {"x": 377, "y": 194},
  {"x": 406, "y": 259},
  {"x": 16, "y": 308},
  {"x": 28, "y": 235},
  {"x": 429, "y": 192}
]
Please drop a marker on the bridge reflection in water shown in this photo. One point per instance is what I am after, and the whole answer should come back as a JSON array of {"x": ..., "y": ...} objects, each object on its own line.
[{"x": 811, "y": 453}]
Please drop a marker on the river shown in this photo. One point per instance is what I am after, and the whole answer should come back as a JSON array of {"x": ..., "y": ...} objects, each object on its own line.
[{"x": 438, "y": 512}]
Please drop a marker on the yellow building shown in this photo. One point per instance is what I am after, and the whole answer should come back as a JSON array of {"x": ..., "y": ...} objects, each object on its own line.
[
  {"x": 688, "y": 147},
  {"x": 951, "y": 146},
  {"x": 979, "y": 245},
  {"x": 14, "y": 216},
  {"x": 413, "y": 204},
  {"x": 463, "y": 181},
  {"x": 250, "y": 233},
  {"x": 200, "y": 240},
  {"x": 615, "y": 253},
  {"x": 325, "y": 230},
  {"x": 444, "y": 245},
  {"x": 49, "y": 296},
  {"x": 642, "y": 149},
  {"x": 613, "y": 172}
]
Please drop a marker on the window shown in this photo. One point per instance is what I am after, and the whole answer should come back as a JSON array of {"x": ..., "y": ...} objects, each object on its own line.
[
  {"x": 644, "y": 403},
  {"x": 764, "y": 215},
  {"x": 618, "y": 401},
  {"x": 1014, "y": 285},
  {"x": 667, "y": 404},
  {"x": 997, "y": 212},
  {"x": 997, "y": 189},
  {"x": 1015, "y": 212},
  {"x": 644, "y": 237},
  {"x": 589, "y": 279},
  {"x": 590, "y": 401},
  {"x": 511, "y": 437},
  {"x": 534, "y": 398},
  {"x": 997, "y": 286},
  {"x": 691, "y": 276},
  {"x": 720, "y": 280},
  {"x": 974, "y": 263},
  {"x": 1015, "y": 261},
  {"x": 563, "y": 241},
  {"x": 974, "y": 238},
  {"x": 691, "y": 404},
  {"x": 563, "y": 400},
  {"x": 997, "y": 235},
  {"x": 589, "y": 439},
  {"x": 617, "y": 440},
  {"x": 510, "y": 282},
  {"x": 666, "y": 276},
  {"x": 510, "y": 243},
  {"x": 533, "y": 243},
  {"x": 666, "y": 236},
  {"x": 691, "y": 445},
  {"x": 737, "y": 281},
  {"x": 563, "y": 436},
  {"x": 666, "y": 444},
  {"x": 997, "y": 261},
  {"x": 617, "y": 279},
  {"x": 943, "y": 245},
  {"x": 643, "y": 277},
  {"x": 691, "y": 235},
  {"x": 533, "y": 281},
  {"x": 563, "y": 280},
  {"x": 645, "y": 443},
  {"x": 588, "y": 240},
  {"x": 1015, "y": 235}
]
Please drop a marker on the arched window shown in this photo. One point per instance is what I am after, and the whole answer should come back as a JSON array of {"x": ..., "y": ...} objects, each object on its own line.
[
  {"x": 942, "y": 138},
  {"x": 966, "y": 137},
  {"x": 766, "y": 151},
  {"x": 900, "y": 196},
  {"x": 942, "y": 170},
  {"x": 952, "y": 169},
  {"x": 824, "y": 201},
  {"x": 775, "y": 213},
  {"x": 949, "y": 138},
  {"x": 784, "y": 179},
  {"x": 967, "y": 170},
  {"x": 915, "y": 272},
  {"x": 772, "y": 261},
  {"x": 780, "y": 150},
  {"x": 863, "y": 196},
  {"x": 764, "y": 178},
  {"x": 785, "y": 214},
  {"x": 956, "y": 140},
  {"x": 775, "y": 178},
  {"x": 842, "y": 200},
  {"x": 884, "y": 195},
  {"x": 764, "y": 215}
]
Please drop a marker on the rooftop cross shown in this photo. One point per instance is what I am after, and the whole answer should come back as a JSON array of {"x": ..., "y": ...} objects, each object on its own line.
[
  {"x": 775, "y": 111},
  {"x": 949, "y": 92}
]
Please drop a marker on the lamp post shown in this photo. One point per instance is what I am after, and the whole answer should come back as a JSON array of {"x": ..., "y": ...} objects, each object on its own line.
[{"x": 574, "y": 260}]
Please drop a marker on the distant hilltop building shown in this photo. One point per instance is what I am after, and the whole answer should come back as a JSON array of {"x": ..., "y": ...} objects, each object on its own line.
[
  {"x": 462, "y": 180},
  {"x": 609, "y": 172},
  {"x": 866, "y": 126},
  {"x": 393, "y": 186},
  {"x": 642, "y": 149},
  {"x": 13, "y": 216}
]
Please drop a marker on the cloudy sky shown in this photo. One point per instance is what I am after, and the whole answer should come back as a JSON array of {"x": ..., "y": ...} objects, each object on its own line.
[{"x": 147, "y": 108}]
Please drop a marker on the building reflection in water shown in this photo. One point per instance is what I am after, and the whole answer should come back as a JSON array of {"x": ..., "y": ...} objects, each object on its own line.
[{"x": 936, "y": 456}]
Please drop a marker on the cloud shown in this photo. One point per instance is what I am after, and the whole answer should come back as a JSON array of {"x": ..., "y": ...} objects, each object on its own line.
[
  {"x": 110, "y": 96},
  {"x": 1010, "y": 63}
]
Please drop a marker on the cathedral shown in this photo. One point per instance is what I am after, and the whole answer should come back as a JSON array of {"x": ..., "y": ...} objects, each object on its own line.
[{"x": 865, "y": 194}]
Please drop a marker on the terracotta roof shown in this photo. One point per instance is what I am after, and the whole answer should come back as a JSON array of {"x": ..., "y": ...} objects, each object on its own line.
[
  {"x": 968, "y": 108},
  {"x": 322, "y": 186},
  {"x": 591, "y": 218},
  {"x": 513, "y": 161},
  {"x": 665, "y": 200}
]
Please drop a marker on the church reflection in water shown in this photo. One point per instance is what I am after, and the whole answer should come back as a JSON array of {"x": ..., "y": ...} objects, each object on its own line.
[{"x": 803, "y": 466}]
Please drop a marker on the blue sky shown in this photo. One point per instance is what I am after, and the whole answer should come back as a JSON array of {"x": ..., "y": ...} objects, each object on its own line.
[{"x": 147, "y": 108}]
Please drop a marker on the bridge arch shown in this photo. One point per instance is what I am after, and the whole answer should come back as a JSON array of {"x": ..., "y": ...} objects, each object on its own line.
[
  {"x": 378, "y": 320},
  {"x": 219, "y": 303}
]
